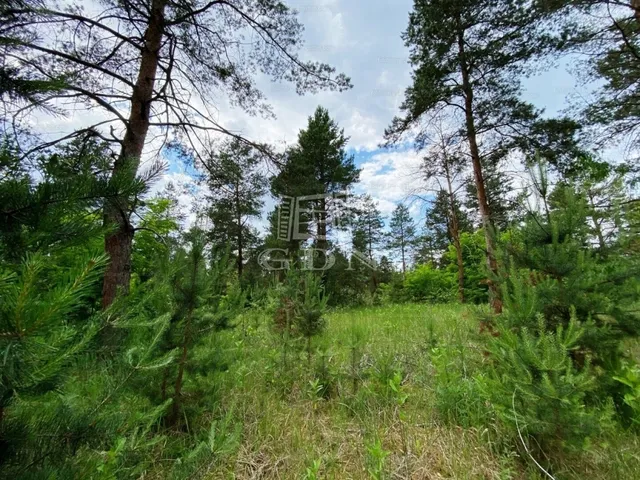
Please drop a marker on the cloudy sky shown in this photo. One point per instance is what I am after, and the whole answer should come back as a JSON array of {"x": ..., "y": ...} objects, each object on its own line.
[{"x": 362, "y": 39}]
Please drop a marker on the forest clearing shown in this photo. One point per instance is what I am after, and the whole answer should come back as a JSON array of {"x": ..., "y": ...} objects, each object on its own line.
[{"x": 319, "y": 239}]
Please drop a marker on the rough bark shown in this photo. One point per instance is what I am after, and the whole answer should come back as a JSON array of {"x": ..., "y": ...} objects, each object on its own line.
[
  {"x": 116, "y": 213},
  {"x": 483, "y": 204}
]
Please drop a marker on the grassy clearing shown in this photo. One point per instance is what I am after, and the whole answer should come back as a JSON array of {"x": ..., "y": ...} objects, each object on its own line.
[{"x": 388, "y": 393}]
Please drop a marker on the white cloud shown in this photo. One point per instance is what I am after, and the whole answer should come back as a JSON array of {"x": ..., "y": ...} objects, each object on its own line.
[
  {"x": 391, "y": 177},
  {"x": 361, "y": 38}
]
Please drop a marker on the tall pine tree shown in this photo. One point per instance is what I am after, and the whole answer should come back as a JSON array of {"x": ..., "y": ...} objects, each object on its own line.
[
  {"x": 402, "y": 234},
  {"x": 317, "y": 165},
  {"x": 467, "y": 57},
  {"x": 237, "y": 188}
]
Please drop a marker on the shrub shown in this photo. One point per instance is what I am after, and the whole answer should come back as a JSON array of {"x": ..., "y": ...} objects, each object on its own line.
[
  {"x": 535, "y": 387},
  {"x": 425, "y": 283},
  {"x": 474, "y": 260}
]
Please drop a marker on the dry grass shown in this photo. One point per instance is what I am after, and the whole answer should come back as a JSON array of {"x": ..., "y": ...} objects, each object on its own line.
[{"x": 285, "y": 426}]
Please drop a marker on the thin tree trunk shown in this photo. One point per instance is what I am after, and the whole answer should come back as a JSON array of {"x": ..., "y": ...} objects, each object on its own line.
[
  {"x": 374, "y": 278},
  {"x": 494, "y": 297},
  {"x": 240, "y": 239},
  {"x": 322, "y": 225},
  {"x": 455, "y": 232},
  {"x": 404, "y": 265},
  {"x": 597, "y": 225},
  {"x": 116, "y": 213},
  {"x": 635, "y": 5},
  {"x": 163, "y": 387}
]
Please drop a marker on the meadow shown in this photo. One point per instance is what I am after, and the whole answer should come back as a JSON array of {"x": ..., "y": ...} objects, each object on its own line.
[{"x": 388, "y": 392}]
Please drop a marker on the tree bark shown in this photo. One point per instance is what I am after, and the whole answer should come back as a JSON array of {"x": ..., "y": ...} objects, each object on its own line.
[
  {"x": 116, "y": 214},
  {"x": 635, "y": 5},
  {"x": 322, "y": 225},
  {"x": 487, "y": 224}
]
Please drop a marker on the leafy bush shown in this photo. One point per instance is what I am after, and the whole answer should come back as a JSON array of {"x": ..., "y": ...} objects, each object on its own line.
[
  {"x": 426, "y": 283},
  {"x": 629, "y": 377},
  {"x": 474, "y": 260}
]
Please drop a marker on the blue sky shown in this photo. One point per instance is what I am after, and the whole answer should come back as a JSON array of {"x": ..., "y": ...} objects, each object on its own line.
[{"x": 362, "y": 39}]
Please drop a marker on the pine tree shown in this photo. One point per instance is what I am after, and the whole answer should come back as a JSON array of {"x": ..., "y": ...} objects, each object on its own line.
[
  {"x": 141, "y": 63},
  {"x": 156, "y": 238},
  {"x": 237, "y": 189},
  {"x": 443, "y": 165},
  {"x": 554, "y": 280},
  {"x": 54, "y": 202},
  {"x": 368, "y": 233},
  {"x": 503, "y": 205},
  {"x": 309, "y": 307},
  {"x": 402, "y": 234},
  {"x": 534, "y": 386},
  {"x": 318, "y": 165},
  {"x": 612, "y": 62},
  {"x": 203, "y": 302},
  {"x": 467, "y": 57},
  {"x": 38, "y": 335}
]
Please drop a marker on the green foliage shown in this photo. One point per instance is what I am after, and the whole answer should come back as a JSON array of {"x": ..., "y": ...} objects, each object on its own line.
[
  {"x": 458, "y": 398},
  {"x": 376, "y": 456},
  {"x": 52, "y": 205},
  {"x": 40, "y": 334},
  {"x": 567, "y": 306},
  {"x": 534, "y": 385},
  {"x": 438, "y": 221},
  {"x": 402, "y": 235},
  {"x": 629, "y": 376},
  {"x": 474, "y": 260},
  {"x": 313, "y": 471},
  {"x": 237, "y": 187},
  {"x": 310, "y": 306},
  {"x": 152, "y": 244},
  {"x": 318, "y": 163},
  {"x": 426, "y": 283}
]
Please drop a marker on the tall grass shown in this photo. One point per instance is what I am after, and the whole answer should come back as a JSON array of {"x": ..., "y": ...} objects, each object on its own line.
[{"x": 391, "y": 395}]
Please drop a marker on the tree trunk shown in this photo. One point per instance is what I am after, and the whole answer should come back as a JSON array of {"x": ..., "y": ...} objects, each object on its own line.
[
  {"x": 404, "y": 264},
  {"x": 455, "y": 233},
  {"x": 487, "y": 225},
  {"x": 635, "y": 5},
  {"x": 322, "y": 225},
  {"x": 240, "y": 239},
  {"x": 374, "y": 277},
  {"x": 116, "y": 213},
  {"x": 596, "y": 224}
]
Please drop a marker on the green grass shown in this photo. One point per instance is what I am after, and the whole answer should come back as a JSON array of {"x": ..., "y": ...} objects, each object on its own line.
[{"x": 388, "y": 394}]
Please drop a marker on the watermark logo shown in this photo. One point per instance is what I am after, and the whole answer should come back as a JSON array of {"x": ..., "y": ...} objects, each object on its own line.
[
  {"x": 297, "y": 216},
  {"x": 309, "y": 217}
]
